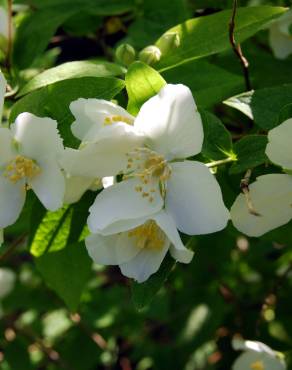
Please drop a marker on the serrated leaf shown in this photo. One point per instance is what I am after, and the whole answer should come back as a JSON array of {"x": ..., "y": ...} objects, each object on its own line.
[
  {"x": 250, "y": 152},
  {"x": 142, "y": 82},
  {"x": 66, "y": 271},
  {"x": 54, "y": 100},
  {"x": 203, "y": 36},
  {"x": 72, "y": 70},
  {"x": 142, "y": 294},
  {"x": 217, "y": 140}
]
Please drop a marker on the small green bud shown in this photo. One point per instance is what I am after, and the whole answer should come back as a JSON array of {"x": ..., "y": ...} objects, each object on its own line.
[
  {"x": 168, "y": 42},
  {"x": 125, "y": 54},
  {"x": 150, "y": 55}
]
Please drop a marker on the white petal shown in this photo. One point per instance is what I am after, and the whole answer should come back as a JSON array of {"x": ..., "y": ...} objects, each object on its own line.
[
  {"x": 75, "y": 187},
  {"x": 194, "y": 199},
  {"x": 12, "y": 198},
  {"x": 146, "y": 263},
  {"x": 49, "y": 185},
  {"x": 6, "y": 151},
  {"x": 38, "y": 137},
  {"x": 247, "y": 359},
  {"x": 172, "y": 122},
  {"x": 7, "y": 281},
  {"x": 271, "y": 197},
  {"x": 106, "y": 157},
  {"x": 177, "y": 250},
  {"x": 280, "y": 43},
  {"x": 90, "y": 115},
  {"x": 121, "y": 202},
  {"x": 2, "y": 85},
  {"x": 112, "y": 249},
  {"x": 279, "y": 148},
  {"x": 123, "y": 225}
]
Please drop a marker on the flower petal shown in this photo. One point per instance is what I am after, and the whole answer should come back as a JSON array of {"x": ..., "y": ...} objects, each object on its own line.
[
  {"x": 106, "y": 157},
  {"x": 90, "y": 115},
  {"x": 172, "y": 122},
  {"x": 38, "y": 136},
  {"x": 6, "y": 151},
  {"x": 146, "y": 263},
  {"x": 112, "y": 249},
  {"x": 194, "y": 199},
  {"x": 271, "y": 197},
  {"x": 279, "y": 148},
  {"x": 75, "y": 187},
  {"x": 121, "y": 202},
  {"x": 2, "y": 84},
  {"x": 49, "y": 185},
  {"x": 177, "y": 250},
  {"x": 12, "y": 198}
]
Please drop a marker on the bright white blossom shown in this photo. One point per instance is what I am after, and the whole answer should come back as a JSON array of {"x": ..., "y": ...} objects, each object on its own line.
[
  {"x": 280, "y": 36},
  {"x": 257, "y": 356},
  {"x": 158, "y": 176},
  {"x": 29, "y": 153},
  {"x": 271, "y": 194},
  {"x": 106, "y": 132},
  {"x": 139, "y": 250}
]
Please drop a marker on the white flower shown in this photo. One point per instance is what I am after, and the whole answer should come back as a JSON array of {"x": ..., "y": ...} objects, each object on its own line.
[
  {"x": 280, "y": 36},
  {"x": 271, "y": 194},
  {"x": 29, "y": 153},
  {"x": 7, "y": 281},
  {"x": 158, "y": 176},
  {"x": 256, "y": 356},
  {"x": 107, "y": 134},
  {"x": 139, "y": 250}
]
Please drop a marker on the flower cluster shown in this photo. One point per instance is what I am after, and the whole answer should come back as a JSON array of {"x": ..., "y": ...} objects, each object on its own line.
[{"x": 133, "y": 222}]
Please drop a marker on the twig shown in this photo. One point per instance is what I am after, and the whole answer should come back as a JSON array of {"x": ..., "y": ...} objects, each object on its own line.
[
  {"x": 244, "y": 186},
  {"x": 9, "y": 41},
  {"x": 237, "y": 48},
  {"x": 11, "y": 248}
]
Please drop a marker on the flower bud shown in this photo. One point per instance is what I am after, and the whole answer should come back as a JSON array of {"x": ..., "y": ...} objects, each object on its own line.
[
  {"x": 168, "y": 42},
  {"x": 150, "y": 55},
  {"x": 125, "y": 54}
]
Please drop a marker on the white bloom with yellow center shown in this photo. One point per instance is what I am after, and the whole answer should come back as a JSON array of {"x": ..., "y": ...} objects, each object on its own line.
[
  {"x": 280, "y": 36},
  {"x": 139, "y": 250},
  {"x": 256, "y": 356},
  {"x": 158, "y": 176},
  {"x": 106, "y": 132},
  {"x": 271, "y": 195},
  {"x": 29, "y": 153}
]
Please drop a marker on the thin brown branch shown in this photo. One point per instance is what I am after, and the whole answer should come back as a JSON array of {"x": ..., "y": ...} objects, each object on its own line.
[
  {"x": 10, "y": 250},
  {"x": 244, "y": 186},
  {"x": 9, "y": 41},
  {"x": 237, "y": 48}
]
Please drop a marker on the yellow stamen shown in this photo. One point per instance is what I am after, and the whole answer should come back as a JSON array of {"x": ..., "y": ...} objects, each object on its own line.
[
  {"x": 21, "y": 167},
  {"x": 258, "y": 365},
  {"x": 117, "y": 118},
  {"x": 148, "y": 236}
]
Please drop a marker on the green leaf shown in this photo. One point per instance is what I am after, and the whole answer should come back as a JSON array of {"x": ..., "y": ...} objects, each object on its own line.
[
  {"x": 142, "y": 82},
  {"x": 52, "y": 233},
  {"x": 142, "y": 294},
  {"x": 66, "y": 271},
  {"x": 54, "y": 100},
  {"x": 217, "y": 140},
  {"x": 250, "y": 152},
  {"x": 285, "y": 113},
  {"x": 209, "y": 84},
  {"x": 72, "y": 70},
  {"x": 242, "y": 103},
  {"x": 267, "y": 103},
  {"x": 203, "y": 36}
]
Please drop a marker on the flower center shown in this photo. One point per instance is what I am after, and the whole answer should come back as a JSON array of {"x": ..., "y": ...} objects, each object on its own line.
[
  {"x": 21, "y": 167},
  {"x": 109, "y": 120},
  {"x": 148, "y": 236},
  {"x": 258, "y": 365},
  {"x": 151, "y": 169}
]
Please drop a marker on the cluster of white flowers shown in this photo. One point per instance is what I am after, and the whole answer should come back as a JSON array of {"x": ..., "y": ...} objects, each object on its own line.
[{"x": 135, "y": 221}]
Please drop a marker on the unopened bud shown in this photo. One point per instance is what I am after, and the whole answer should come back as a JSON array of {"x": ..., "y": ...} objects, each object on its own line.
[
  {"x": 150, "y": 55},
  {"x": 168, "y": 42},
  {"x": 125, "y": 54}
]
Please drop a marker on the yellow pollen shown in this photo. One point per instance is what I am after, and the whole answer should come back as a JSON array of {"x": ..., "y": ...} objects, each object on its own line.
[
  {"x": 21, "y": 167},
  {"x": 117, "y": 118},
  {"x": 258, "y": 365},
  {"x": 148, "y": 236},
  {"x": 138, "y": 188}
]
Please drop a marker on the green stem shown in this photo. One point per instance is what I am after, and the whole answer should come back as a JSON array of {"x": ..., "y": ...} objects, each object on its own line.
[{"x": 220, "y": 162}]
